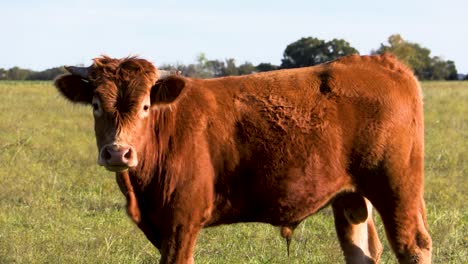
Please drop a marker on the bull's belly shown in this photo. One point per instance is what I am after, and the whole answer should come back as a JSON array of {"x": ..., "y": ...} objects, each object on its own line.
[
  {"x": 281, "y": 216},
  {"x": 283, "y": 210}
]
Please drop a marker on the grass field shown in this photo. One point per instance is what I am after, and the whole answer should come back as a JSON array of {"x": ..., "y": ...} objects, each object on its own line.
[{"x": 58, "y": 206}]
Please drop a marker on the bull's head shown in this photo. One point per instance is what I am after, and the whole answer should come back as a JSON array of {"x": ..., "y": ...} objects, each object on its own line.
[{"x": 122, "y": 93}]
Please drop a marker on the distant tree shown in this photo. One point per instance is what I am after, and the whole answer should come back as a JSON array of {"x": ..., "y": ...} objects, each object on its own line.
[
  {"x": 205, "y": 68},
  {"x": 169, "y": 67},
  {"x": 437, "y": 69},
  {"x": 48, "y": 74},
  {"x": 202, "y": 67},
  {"x": 412, "y": 54},
  {"x": 3, "y": 74},
  {"x": 311, "y": 51},
  {"x": 452, "y": 71},
  {"x": 419, "y": 60},
  {"x": 17, "y": 73},
  {"x": 231, "y": 68},
  {"x": 304, "y": 52},
  {"x": 466, "y": 77},
  {"x": 186, "y": 70},
  {"x": 442, "y": 70},
  {"x": 191, "y": 70},
  {"x": 246, "y": 68},
  {"x": 339, "y": 48},
  {"x": 263, "y": 67},
  {"x": 216, "y": 67}
]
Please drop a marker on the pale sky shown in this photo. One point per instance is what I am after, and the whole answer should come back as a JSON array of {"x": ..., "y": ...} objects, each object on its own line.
[{"x": 40, "y": 34}]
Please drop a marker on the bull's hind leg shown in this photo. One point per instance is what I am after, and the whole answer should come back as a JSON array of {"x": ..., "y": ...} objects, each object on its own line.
[
  {"x": 356, "y": 230},
  {"x": 397, "y": 195},
  {"x": 405, "y": 224}
]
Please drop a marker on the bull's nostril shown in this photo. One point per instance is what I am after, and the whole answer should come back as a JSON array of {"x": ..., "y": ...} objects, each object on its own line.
[
  {"x": 106, "y": 154},
  {"x": 128, "y": 154}
]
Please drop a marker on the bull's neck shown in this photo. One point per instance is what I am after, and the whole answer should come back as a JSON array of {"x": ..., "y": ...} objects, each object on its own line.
[{"x": 160, "y": 130}]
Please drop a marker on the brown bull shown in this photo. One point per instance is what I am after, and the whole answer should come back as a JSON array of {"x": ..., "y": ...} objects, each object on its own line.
[{"x": 271, "y": 147}]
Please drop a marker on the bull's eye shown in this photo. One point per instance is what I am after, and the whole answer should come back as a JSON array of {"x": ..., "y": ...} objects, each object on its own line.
[
  {"x": 96, "y": 107},
  {"x": 145, "y": 107}
]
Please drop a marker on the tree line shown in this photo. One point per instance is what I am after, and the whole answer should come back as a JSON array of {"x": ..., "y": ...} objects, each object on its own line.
[
  {"x": 301, "y": 53},
  {"x": 312, "y": 51},
  {"x": 17, "y": 73}
]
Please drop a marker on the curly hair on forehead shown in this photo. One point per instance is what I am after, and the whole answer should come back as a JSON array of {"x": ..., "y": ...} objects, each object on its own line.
[
  {"x": 123, "y": 70},
  {"x": 122, "y": 83}
]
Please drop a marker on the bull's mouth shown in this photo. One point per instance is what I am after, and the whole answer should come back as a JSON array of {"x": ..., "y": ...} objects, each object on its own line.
[{"x": 117, "y": 168}]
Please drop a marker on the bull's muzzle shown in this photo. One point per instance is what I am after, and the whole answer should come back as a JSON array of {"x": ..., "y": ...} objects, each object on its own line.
[{"x": 117, "y": 157}]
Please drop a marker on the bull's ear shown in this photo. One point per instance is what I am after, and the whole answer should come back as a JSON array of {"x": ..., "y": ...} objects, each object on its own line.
[
  {"x": 75, "y": 88},
  {"x": 167, "y": 90}
]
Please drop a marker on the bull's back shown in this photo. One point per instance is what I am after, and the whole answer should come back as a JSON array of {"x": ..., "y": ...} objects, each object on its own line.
[
  {"x": 366, "y": 79},
  {"x": 353, "y": 98}
]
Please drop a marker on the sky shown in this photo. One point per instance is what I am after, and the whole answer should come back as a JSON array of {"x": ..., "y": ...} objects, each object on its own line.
[{"x": 41, "y": 34}]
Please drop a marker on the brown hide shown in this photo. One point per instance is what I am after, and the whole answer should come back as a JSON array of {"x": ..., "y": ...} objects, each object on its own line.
[{"x": 271, "y": 147}]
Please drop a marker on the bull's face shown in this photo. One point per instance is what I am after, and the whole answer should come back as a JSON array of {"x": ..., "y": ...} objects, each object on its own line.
[
  {"x": 119, "y": 92},
  {"x": 121, "y": 127}
]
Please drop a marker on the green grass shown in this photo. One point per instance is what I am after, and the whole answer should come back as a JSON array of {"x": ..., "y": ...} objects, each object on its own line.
[{"x": 58, "y": 206}]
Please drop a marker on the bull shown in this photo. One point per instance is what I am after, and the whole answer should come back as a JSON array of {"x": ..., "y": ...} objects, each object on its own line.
[{"x": 271, "y": 147}]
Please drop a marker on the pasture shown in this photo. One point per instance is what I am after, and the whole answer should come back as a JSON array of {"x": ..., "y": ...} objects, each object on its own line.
[{"x": 58, "y": 206}]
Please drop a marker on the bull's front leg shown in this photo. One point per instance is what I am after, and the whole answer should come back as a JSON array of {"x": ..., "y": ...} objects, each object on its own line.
[
  {"x": 178, "y": 246},
  {"x": 188, "y": 208},
  {"x": 180, "y": 231},
  {"x": 185, "y": 216}
]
